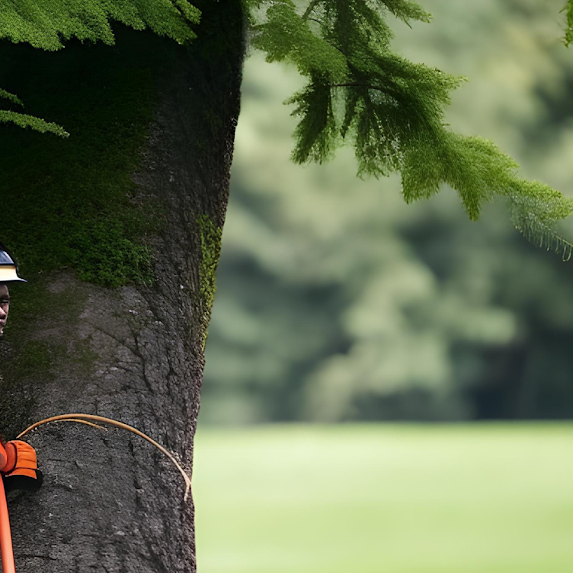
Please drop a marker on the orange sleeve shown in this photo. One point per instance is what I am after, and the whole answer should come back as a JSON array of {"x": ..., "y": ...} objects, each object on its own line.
[
  {"x": 21, "y": 459},
  {"x": 3, "y": 458}
]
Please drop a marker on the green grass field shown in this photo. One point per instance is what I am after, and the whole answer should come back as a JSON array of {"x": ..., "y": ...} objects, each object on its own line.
[{"x": 385, "y": 499}]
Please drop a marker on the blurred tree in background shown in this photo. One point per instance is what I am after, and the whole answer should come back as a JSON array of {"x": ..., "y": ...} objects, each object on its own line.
[{"x": 338, "y": 302}]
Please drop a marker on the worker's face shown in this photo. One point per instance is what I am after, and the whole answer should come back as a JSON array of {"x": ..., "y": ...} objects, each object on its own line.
[{"x": 4, "y": 306}]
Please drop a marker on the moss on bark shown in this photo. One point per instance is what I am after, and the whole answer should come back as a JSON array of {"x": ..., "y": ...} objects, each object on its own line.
[
  {"x": 210, "y": 235},
  {"x": 72, "y": 202},
  {"x": 32, "y": 356}
]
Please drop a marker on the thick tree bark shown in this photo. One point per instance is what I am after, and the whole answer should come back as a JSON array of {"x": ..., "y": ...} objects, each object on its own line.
[{"x": 110, "y": 502}]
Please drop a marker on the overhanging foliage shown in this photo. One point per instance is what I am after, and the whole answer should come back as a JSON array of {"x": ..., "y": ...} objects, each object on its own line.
[
  {"x": 49, "y": 24},
  {"x": 359, "y": 92},
  {"x": 392, "y": 110}
]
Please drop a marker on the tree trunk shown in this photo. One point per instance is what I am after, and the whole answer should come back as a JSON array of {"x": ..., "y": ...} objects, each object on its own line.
[{"x": 111, "y": 502}]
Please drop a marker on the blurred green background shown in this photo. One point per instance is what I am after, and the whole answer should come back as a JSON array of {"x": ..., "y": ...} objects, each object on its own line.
[
  {"x": 338, "y": 303},
  {"x": 393, "y": 499}
]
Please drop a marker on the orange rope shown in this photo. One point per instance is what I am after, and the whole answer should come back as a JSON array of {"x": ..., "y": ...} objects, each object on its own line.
[
  {"x": 70, "y": 420},
  {"x": 6, "y": 549},
  {"x": 85, "y": 419}
]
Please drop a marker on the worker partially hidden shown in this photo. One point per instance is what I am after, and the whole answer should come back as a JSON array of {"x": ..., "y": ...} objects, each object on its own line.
[{"x": 18, "y": 462}]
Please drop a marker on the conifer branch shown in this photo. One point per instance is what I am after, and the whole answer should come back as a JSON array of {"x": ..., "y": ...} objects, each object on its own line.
[
  {"x": 11, "y": 97},
  {"x": 29, "y": 121},
  {"x": 348, "y": 61},
  {"x": 48, "y": 25}
]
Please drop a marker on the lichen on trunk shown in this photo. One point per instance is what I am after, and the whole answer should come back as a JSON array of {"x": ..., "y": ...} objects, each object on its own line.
[
  {"x": 118, "y": 230},
  {"x": 210, "y": 234}
]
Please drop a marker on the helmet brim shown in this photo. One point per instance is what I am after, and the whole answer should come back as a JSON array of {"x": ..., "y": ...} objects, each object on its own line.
[{"x": 8, "y": 274}]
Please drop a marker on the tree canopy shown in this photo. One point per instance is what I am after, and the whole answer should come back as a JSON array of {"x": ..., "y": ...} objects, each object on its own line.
[{"x": 359, "y": 91}]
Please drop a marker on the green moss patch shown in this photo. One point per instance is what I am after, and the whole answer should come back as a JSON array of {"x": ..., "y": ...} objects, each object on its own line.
[
  {"x": 72, "y": 202},
  {"x": 210, "y": 235},
  {"x": 30, "y": 359}
]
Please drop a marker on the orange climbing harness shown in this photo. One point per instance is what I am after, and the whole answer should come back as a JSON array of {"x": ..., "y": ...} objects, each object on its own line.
[{"x": 19, "y": 468}]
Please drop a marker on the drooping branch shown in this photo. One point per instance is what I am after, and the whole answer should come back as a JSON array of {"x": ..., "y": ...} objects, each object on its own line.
[{"x": 348, "y": 59}]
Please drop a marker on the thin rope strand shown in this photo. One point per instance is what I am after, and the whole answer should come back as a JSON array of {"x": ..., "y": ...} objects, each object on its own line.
[
  {"x": 83, "y": 418},
  {"x": 104, "y": 429}
]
